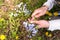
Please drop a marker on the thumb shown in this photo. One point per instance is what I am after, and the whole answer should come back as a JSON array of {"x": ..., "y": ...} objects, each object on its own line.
[
  {"x": 35, "y": 13},
  {"x": 36, "y": 22}
]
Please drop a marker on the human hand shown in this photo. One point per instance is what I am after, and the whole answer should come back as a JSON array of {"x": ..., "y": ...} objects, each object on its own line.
[
  {"x": 40, "y": 23},
  {"x": 39, "y": 12}
]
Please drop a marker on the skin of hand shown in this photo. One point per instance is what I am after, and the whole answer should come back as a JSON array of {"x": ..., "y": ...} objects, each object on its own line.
[
  {"x": 39, "y": 12},
  {"x": 40, "y": 23}
]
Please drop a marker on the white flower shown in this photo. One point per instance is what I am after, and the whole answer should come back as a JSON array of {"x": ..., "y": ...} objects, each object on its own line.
[
  {"x": 15, "y": 15},
  {"x": 25, "y": 11},
  {"x": 25, "y": 24},
  {"x": 24, "y": 6},
  {"x": 19, "y": 5},
  {"x": 21, "y": 8},
  {"x": 17, "y": 10},
  {"x": 11, "y": 14},
  {"x": 49, "y": 18}
]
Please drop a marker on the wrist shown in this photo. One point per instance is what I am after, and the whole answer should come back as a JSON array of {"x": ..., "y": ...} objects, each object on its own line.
[
  {"x": 47, "y": 24},
  {"x": 46, "y": 7}
]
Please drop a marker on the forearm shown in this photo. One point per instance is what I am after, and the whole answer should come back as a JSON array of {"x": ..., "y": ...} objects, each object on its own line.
[
  {"x": 49, "y": 4},
  {"x": 54, "y": 25}
]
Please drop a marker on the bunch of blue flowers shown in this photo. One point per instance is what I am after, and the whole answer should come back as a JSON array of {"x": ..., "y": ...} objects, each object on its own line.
[{"x": 30, "y": 28}]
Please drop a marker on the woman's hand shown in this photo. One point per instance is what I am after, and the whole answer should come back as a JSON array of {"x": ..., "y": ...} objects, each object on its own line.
[
  {"x": 40, "y": 23},
  {"x": 39, "y": 12}
]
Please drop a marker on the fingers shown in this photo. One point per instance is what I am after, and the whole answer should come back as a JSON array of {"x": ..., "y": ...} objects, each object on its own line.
[
  {"x": 38, "y": 23},
  {"x": 32, "y": 18},
  {"x": 38, "y": 15},
  {"x": 39, "y": 12},
  {"x": 36, "y": 12},
  {"x": 35, "y": 22}
]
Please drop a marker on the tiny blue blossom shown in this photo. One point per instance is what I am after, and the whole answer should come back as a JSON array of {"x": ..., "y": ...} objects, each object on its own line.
[
  {"x": 25, "y": 24},
  {"x": 33, "y": 34},
  {"x": 34, "y": 30},
  {"x": 31, "y": 28}
]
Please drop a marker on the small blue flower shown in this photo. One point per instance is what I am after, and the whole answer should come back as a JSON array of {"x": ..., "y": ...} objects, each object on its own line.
[
  {"x": 34, "y": 30},
  {"x": 33, "y": 34},
  {"x": 25, "y": 24},
  {"x": 31, "y": 26},
  {"x": 29, "y": 36}
]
